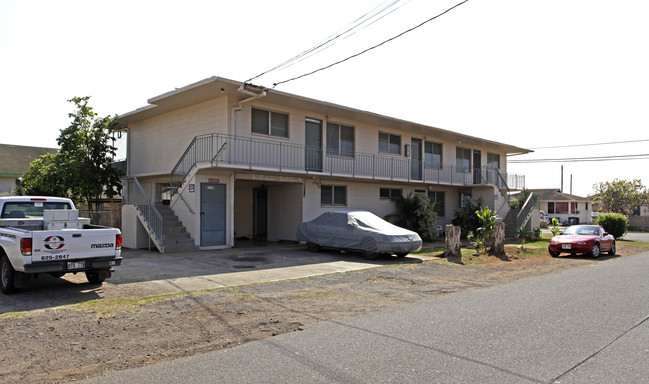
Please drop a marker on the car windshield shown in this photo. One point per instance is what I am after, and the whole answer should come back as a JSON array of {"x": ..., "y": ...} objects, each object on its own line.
[
  {"x": 29, "y": 209},
  {"x": 581, "y": 230}
]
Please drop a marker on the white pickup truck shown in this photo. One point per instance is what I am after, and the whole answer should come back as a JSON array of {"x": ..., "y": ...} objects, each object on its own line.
[{"x": 45, "y": 235}]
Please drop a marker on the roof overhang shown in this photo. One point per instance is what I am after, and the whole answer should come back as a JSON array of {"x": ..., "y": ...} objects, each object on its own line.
[{"x": 214, "y": 87}]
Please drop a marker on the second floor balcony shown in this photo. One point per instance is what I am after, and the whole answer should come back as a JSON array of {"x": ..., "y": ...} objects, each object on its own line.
[{"x": 275, "y": 156}]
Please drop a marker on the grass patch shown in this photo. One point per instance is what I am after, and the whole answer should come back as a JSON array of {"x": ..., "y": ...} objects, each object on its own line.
[
  {"x": 13, "y": 314},
  {"x": 633, "y": 243},
  {"x": 429, "y": 251}
]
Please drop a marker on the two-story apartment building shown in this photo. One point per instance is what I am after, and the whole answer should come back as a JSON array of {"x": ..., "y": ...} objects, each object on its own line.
[{"x": 234, "y": 160}]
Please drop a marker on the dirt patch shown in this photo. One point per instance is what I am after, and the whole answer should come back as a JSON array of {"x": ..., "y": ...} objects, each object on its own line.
[{"x": 76, "y": 342}]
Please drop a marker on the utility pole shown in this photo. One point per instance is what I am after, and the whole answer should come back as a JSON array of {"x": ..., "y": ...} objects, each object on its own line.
[{"x": 561, "y": 179}]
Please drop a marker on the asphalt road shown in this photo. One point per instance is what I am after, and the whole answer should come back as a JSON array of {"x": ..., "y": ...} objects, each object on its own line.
[{"x": 581, "y": 325}]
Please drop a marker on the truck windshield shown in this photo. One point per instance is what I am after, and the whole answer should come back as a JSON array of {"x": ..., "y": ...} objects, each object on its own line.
[{"x": 29, "y": 209}]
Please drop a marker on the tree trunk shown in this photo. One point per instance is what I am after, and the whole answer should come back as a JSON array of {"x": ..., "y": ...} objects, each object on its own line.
[
  {"x": 453, "y": 252},
  {"x": 498, "y": 248}
]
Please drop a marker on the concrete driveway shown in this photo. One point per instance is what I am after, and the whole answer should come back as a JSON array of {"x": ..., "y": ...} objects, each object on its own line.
[
  {"x": 145, "y": 273},
  {"x": 237, "y": 266}
]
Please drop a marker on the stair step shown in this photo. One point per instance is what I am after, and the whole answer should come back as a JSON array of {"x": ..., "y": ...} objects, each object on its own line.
[
  {"x": 175, "y": 238},
  {"x": 174, "y": 229}
]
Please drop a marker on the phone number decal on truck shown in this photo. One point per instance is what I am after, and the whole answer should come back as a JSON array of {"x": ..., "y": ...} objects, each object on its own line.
[{"x": 55, "y": 257}]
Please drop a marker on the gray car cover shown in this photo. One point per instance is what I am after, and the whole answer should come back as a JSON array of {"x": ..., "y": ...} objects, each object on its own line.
[{"x": 358, "y": 230}]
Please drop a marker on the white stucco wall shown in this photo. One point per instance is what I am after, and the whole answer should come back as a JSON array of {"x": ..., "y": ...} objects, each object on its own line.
[
  {"x": 133, "y": 233},
  {"x": 284, "y": 211},
  {"x": 366, "y": 196},
  {"x": 156, "y": 144},
  {"x": 365, "y": 134}
]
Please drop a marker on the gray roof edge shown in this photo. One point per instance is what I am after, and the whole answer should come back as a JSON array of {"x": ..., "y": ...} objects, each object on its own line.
[{"x": 152, "y": 104}]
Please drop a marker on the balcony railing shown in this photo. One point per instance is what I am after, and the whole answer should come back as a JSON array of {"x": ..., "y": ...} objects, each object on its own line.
[{"x": 271, "y": 155}]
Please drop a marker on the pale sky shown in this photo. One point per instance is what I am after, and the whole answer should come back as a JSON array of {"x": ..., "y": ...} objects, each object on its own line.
[{"x": 527, "y": 73}]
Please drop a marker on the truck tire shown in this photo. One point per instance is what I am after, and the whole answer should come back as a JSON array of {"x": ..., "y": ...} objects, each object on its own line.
[
  {"x": 7, "y": 275},
  {"x": 95, "y": 277}
]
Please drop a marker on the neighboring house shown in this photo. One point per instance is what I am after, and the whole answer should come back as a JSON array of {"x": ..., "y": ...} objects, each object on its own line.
[
  {"x": 219, "y": 160},
  {"x": 14, "y": 161},
  {"x": 567, "y": 208},
  {"x": 639, "y": 221}
]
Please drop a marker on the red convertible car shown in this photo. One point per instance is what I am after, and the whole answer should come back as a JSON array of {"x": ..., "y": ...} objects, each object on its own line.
[{"x": 586, "y": 239}]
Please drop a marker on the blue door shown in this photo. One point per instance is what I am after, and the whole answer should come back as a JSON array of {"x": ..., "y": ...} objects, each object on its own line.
[{"x": 213, "y": 207}]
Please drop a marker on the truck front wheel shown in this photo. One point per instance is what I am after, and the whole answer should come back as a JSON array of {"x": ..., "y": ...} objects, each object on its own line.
[
  {"x": 7, "y": 275},
  {"x": 95, "y": 277}
]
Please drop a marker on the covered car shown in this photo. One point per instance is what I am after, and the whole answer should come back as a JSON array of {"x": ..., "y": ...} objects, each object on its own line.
[
  {"x": 358, "y": 231},
  {"x": 586, "y": 239}
]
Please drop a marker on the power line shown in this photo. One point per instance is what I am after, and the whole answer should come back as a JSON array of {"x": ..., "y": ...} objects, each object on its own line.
[
  {"x": 592, "y": 144},
  {"x": 644, "y": 156},
  {"x": 372, "y": 47},
  {"x": 330, "y": 40}
]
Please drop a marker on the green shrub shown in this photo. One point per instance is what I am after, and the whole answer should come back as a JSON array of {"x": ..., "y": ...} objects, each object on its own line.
[
  {"x": 554, "y": 227},
  {"x": 465, "y": 217},
  {"x": 487, "y": 219},
  {"x": 522, "y": 236},
  {"x": 614, "y": 223},
  {"x": 417, "y": 213},
  {"x": 520, "y": 199}
]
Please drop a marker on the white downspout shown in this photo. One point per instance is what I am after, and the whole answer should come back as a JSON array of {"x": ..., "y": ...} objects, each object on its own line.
[{"x": 253, "y": 96}]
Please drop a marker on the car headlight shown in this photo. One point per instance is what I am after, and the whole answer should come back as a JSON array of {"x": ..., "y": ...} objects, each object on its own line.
[
  {"x": 581, "y": 243},
  {"x": 554, "y": 242}
]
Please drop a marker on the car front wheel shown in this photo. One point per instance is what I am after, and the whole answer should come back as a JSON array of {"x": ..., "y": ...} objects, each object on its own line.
[
  {"x": 596, "y": 251},
  {"x": 313, "y": 247},
  {"x": 553, "y": 254},
  {"x": 612, "y": 250}
]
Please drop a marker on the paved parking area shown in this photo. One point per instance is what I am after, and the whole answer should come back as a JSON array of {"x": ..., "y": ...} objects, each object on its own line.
[
  {"x": 145, "y": 273},
  {"x": 237, "y": 266}
]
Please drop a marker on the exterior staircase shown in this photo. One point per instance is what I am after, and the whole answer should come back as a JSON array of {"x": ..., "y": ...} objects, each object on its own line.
[
  {"x": 519, "y": 217},
  {"x": 174, "y": 235},
  {"x": 511, "y": 223}
]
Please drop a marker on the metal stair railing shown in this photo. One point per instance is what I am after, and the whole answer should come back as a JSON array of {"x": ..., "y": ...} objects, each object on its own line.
[
  {"x": 503, "y": 187},
  {"x": 199, "y": 150},
  {"x": 526, "y": 211},
  {"x": 149, "y": 213},
  {"x": 182, "y": 167}
]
